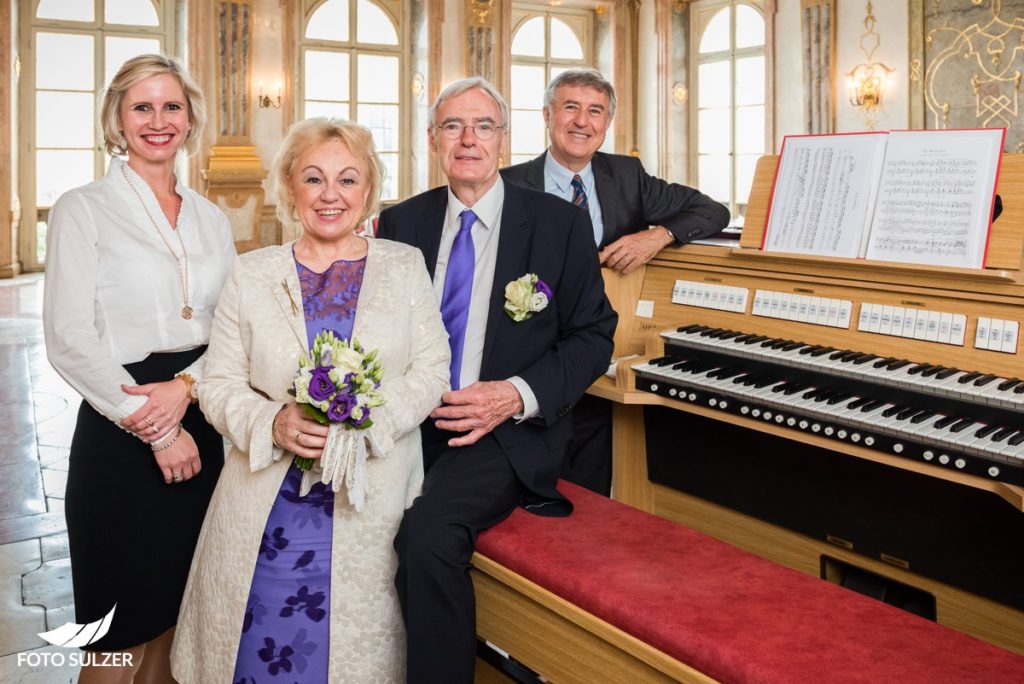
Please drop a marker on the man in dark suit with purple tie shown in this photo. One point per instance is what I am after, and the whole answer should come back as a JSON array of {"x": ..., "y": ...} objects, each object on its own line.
[
  {"x": 517, "y": 279},
  {"x": 624, "y": 202}
]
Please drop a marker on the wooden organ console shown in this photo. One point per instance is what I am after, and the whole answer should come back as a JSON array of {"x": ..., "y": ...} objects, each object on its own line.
[{"x": 858, "y": 420}]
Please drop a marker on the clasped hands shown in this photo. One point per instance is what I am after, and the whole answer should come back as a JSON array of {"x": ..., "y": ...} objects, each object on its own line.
[
  {"x": 476, "y": 410},
  {"x": 157, "y": 421}
]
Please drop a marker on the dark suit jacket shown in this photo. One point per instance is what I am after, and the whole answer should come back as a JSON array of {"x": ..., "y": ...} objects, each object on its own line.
[
  {"x": 559, "y": 351},
  {"x": 632, "y": 200}
]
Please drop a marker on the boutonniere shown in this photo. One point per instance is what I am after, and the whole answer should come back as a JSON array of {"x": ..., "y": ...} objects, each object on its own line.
[{"x": 526, "y": 296}]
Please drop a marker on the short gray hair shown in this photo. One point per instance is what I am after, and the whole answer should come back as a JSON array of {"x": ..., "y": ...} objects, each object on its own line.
[
  {"x": 459, "y": 87},
  {"x": 585, "y": 77}
]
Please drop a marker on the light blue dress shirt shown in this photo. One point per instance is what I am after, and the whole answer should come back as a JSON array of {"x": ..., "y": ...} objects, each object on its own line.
[{"x": 558, "y": 181}]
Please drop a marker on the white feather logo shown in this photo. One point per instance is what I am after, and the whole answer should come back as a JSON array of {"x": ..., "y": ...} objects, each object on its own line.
[{"x": 73, "y": 635}]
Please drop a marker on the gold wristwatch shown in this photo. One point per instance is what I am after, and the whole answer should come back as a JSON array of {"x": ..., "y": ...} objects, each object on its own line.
[{"x": 191, "y": 387}]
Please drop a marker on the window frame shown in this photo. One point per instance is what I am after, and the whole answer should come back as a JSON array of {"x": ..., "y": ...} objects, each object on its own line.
[
  {"x": 395, "y": 11},
  {"x": 578, "y": 20},
  {"x": 702, "y": 13},
  {"x": 32, "y": 214}
]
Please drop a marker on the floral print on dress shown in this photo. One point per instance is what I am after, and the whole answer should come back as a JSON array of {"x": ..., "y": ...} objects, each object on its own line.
[{"x": 286, "y": 627}]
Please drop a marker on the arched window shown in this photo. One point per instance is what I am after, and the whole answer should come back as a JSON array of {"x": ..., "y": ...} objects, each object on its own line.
[
  {"x": 351, "y": 68},
  {"x": 73, "y": 49},
  {"x": 729, "y": 104},
  {"x": 544, "y": 43}
]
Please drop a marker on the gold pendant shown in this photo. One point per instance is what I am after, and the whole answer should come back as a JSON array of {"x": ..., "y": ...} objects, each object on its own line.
[{"x": 186, "y": 312}]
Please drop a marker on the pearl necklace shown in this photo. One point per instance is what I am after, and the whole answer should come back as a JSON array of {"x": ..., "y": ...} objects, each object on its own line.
[{"x": 186, "y": 310}]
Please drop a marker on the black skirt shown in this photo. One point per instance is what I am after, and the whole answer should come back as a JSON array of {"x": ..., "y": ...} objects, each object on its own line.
[{"x": 131, "y": 536}]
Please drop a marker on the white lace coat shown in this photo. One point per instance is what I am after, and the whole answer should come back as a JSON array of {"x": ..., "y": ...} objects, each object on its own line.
[{"x": 258, "y": 334}]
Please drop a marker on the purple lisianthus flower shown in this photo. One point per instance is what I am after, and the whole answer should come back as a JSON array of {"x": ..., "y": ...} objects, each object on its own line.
[
  {"x": 359, "y": 423},
  {"x": 543, "y": 288},
  {"x": 321, "y": 387},
  {"x": 341, "y": 407}
]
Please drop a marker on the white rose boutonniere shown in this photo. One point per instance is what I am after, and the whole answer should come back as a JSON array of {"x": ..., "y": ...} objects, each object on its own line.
[{"x": 526, "y": 296}]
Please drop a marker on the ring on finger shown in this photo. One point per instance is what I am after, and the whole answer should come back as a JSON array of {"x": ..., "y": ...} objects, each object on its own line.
[
  {"x": 177, "y": 477},
  {"x": 146, "y": 418},
  {"x": 298, "y": 438},
  {"x": 154, "y": 429}
]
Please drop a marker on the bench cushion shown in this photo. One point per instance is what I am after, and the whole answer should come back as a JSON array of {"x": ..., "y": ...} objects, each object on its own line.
[{"x": 728, "y": 613}]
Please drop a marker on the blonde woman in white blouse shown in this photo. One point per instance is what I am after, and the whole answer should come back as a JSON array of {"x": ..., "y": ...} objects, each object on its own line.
[{"x": 135, "y": 265}]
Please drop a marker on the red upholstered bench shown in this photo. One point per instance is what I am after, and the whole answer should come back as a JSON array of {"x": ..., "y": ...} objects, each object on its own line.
[{"x": 614, "y": 594}]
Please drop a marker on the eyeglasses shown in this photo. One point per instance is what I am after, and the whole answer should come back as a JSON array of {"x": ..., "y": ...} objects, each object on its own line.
[{"x": 484, "y": 130}]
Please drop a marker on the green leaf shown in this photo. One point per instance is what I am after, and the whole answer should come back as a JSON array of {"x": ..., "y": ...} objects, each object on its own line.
[{"x": 315, "y": 413}]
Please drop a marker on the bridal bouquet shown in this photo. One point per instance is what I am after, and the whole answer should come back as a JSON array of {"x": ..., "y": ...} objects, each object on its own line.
[{"x": 337, "y": 384}]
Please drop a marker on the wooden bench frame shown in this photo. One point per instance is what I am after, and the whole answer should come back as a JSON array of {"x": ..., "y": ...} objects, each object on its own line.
[{"x": 558, "y": 639}]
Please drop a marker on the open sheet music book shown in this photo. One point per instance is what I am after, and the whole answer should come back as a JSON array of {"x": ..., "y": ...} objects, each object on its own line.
[{"x": 921, "y": 197}]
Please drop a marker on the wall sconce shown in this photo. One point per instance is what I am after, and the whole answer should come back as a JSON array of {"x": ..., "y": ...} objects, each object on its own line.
[
  {"x": 866, "y": 82},
  {"x": 264, "y": 100}
]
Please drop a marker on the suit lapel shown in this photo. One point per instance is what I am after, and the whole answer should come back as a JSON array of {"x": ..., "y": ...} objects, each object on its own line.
[
  {"x": 287, "y": 292},
  {"x": 535, "y": 172},
  {"x": 605, "y": 185},
  {"x": 512, "y": 242},
  {"x": 430, "y": 227}
]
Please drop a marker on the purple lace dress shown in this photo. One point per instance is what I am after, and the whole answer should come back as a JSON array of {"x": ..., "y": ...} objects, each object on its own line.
[{"x": 285, "y": 633}]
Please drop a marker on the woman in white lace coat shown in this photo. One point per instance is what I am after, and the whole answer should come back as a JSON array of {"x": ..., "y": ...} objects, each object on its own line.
[{"x": 292, "y": 586}]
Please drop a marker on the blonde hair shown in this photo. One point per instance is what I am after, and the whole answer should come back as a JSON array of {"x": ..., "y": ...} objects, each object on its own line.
[
  {"x": 317, "y": 131},
  {"x": 138, "y": 69}
]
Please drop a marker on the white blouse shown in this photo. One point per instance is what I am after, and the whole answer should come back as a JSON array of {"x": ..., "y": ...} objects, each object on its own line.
[{"x": 113, "y": 293}]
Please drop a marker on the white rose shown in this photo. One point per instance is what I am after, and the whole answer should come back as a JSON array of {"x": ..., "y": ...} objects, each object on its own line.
[
  {"x": 302, "y": 386},
  {"x": 349, "y": 360},
  {"x": 538, "y": 302}
]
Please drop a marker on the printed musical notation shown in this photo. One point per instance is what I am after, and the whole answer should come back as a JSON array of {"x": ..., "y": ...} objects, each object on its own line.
[
  {"x": 907, "y": 196},
  {"x": 935, "y": 197}
]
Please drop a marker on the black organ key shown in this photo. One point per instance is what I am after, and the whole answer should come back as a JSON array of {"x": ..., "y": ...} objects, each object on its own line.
[
  {"x": 984, "y": 380},
  {"x": 872, "y": 405},
  {"x": 946, "y": 422},
  {"x": 864, "y": 359},
  {"x": 1002, "y": 434},
  {"x": 1016, "y": 439},
  {"x": 934, "y": 370},
  {"x": 822, "y": 351},
  {"x": 961, "y": 425},
  {"x": 1007, "y": 384},
  {"x": 973, "y": 375},
  {"x": 949, "y": 372},
  {"x": 896, "y": 365},
  {"x": 922, "y": 416},
  {"x": 986, "y": 431},
  {"x": 892, "y": 410}
]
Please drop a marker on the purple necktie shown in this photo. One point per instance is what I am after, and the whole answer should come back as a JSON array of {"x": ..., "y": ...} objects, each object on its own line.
[
  {"x": 458, "y": 286},
  {"x": 579, "y": 195}
]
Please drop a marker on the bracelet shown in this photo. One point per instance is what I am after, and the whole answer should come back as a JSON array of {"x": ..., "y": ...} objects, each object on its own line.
[
  {"x": 165, "y": 436},
  {"x": 169, "y": 444},
  {"x": 191, "y": 391}
]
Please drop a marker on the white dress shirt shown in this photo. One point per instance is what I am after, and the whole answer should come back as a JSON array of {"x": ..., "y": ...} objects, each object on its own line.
[
  {"x": 558, "y": 182},
  {"x": 485, "y": 233},
  {"x": 113, "y": 293}
]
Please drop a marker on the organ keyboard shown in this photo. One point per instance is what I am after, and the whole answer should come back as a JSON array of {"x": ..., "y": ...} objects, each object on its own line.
[{"x": 910, "y": 371}]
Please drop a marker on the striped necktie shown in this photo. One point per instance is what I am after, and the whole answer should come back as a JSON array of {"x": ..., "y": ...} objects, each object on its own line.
[{"x": 579, "y": 195}]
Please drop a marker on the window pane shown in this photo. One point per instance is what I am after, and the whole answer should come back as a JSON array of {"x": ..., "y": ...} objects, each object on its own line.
[
  {"x": 382, "y": 120},
  {"x": 40, "y": 242},
  {"x": 334, "y": 110},
  {"x": 389, "y": 186},
  {"x": 378, "y": 78},
  {"x": 745, "y": 164},
  {"x": 716, "y": 35},
  {"x": 527, "y": 132},
  {"x": 64, "y": 61},
  {"x": 750, "y": 80},
  {"x": 750, "y": 130},
  {"x": 749, "y": 27},
  {"x": 65, "y": 119},
  {"x": 120, "y": 50},
  {"x": 138, "y": 12},
  {"x": 57, "y": 171},
  {"x": 714, "y": 136},
  {"x": 329, "y": 22},
  {"x": 72, "y": 10},
  {"x": 326, "y": 75},
  {"x": 715, "y": 88},
  {"x": 529, "y": 39},
  {"x": 373, "y": 25},
  {"x": 527, "y": 86},
  {"x": 564, "y": 43},
  {"x": 520, "y": 158},
  {"x": 714, "y": 177}
]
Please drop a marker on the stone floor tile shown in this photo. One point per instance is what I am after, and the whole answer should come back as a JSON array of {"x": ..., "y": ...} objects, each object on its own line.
[
  {"x": 55, "y": 617},
  {"x": 54, "y": 505},
  {"x": 54, "y": 547},
  {"x": 54, "y": 483},
  {"x": 21, "y": 623},
  {"x": 31, "y": 527},
  {"x": 23, "y": 485},
  {"x": 34, "y": 670},
  {"x": 49, "y": 585},
  {"x": 54, "y": 457}
]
